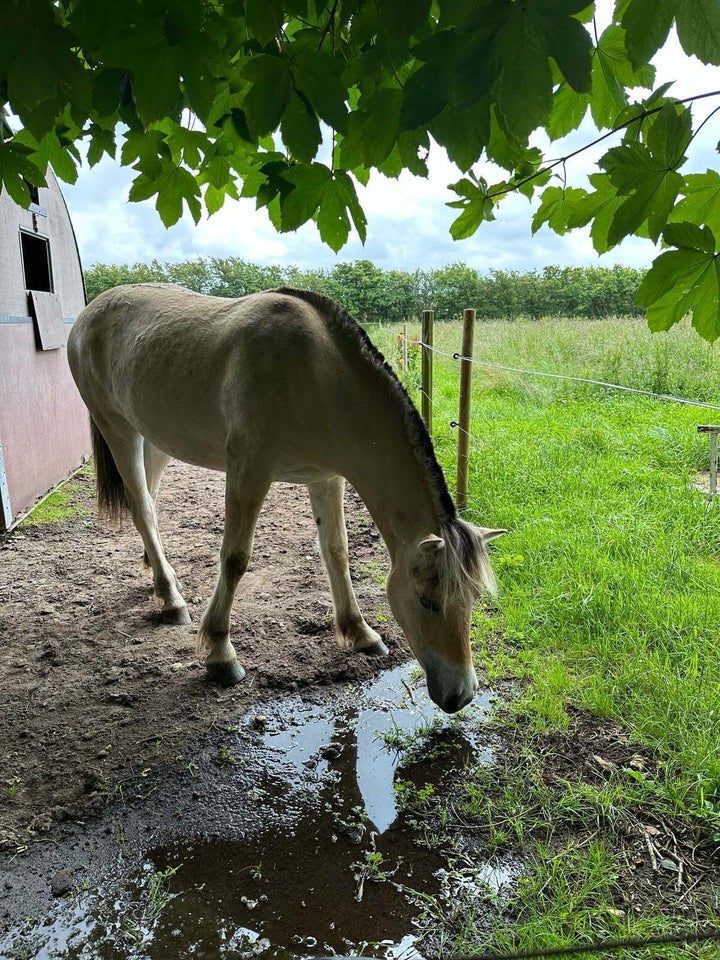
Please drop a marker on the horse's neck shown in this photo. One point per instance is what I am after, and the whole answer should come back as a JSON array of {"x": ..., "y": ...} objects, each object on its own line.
[{"x": 395, "y": 487}]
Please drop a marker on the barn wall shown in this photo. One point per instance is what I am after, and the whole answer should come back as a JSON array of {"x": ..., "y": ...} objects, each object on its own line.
[
  {"x": 13, "y": 300},
  {"x": 43, "y": 422},
  {"x": 44, "y": 429}
]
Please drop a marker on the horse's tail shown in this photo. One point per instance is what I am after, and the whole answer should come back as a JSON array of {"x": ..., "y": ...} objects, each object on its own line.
[{"x": 110, "y": 487}]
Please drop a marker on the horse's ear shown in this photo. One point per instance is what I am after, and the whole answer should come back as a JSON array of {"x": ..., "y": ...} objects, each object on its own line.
[
  {"x": 423, "y": 564},
  {"x": 488, "y": 534},
  {"x": 431, "y": 545}
]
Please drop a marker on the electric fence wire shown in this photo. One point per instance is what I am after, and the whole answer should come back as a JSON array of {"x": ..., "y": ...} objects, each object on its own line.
[{"x": 563, "y": 376}]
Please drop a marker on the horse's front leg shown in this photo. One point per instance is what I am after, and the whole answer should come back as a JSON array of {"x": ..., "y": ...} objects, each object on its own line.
[
  {"x": 351, "y": 630},
  {"x": 244, "y": 497}
]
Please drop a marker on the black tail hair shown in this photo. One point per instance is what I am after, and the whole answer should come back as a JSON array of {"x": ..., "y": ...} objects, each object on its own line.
[{"x": 111, "y": 498}]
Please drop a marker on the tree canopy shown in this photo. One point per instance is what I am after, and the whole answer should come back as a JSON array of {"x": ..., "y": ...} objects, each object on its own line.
[
  {"x": 294, "y": 102},
  {"x": 373, "y": 295}
]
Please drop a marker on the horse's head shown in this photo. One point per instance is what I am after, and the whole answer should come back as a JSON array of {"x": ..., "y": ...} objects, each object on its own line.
[{"x": 432, "y": 588}]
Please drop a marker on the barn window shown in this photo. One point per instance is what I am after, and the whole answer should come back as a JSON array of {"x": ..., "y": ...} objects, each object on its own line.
[{"x": 37, "y": 266}]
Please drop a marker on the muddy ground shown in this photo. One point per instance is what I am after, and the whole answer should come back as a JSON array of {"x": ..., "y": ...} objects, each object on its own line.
[{"x": 95, "y": 691}]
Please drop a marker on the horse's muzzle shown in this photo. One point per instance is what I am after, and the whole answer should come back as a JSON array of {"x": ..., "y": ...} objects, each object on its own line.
[{"x": 451, "y": 688}]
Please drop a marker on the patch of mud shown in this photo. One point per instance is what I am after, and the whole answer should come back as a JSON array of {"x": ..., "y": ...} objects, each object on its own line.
[
  {"x": 283, "y": 837},
  {"x": 95, "y": 692}
]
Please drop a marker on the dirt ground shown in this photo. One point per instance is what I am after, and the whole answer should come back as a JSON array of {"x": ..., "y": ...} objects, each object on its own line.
[{"x": 95, "y": 691}]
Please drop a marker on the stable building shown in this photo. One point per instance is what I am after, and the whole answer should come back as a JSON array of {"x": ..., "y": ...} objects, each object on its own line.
[{"x": 44, "y": 428}]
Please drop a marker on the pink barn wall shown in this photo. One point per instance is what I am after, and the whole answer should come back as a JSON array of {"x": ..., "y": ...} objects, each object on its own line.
[{"x": 44, "y": 427}]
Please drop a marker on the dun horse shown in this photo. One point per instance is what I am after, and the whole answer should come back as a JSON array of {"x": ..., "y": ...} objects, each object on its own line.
[{"x": 281, "y": 385}]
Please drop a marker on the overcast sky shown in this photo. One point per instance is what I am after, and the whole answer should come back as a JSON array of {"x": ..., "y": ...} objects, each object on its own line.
[{"x": 408, "y": 221}]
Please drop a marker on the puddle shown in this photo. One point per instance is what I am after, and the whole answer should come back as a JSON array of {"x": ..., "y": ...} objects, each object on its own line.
[{"x": 285, "y": 840}]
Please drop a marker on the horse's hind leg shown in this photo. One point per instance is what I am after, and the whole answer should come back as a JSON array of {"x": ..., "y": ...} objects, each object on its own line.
[
  {"x": 351, "y": 630},
  {"x": 155, "y": 461},
  {"x": 127, "y": 447},
  {"x": 244, "y": 497}
]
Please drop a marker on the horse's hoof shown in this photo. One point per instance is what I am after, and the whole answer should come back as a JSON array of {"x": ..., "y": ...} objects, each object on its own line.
[
  {"x": 375, "y": 648},
  {"x": 175, "y": 616},
  {"x": 226, "y": 674}
]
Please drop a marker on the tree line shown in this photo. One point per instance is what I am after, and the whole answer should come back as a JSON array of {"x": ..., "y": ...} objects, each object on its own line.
[{"x": 373, "y": 295}]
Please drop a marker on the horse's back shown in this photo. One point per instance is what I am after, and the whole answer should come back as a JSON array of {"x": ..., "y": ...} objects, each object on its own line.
[{"x": 187, "y": 370}]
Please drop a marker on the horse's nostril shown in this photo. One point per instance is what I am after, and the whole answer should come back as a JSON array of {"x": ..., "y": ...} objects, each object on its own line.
[{"x": 456, "y": 702}]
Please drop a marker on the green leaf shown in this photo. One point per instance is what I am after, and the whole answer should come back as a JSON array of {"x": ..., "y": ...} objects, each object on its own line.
[
  {"x": 701, "y": 203},
  {"x": 612, "y": 73},
  {"x": 50, "y": 152},
  {"x": 646, "y": 24},
  {"x": 381, "y": 126},
  {"x": 645, "y": 175},
  {"x": 698, "y": 27},
  {"x": 214, "y": 199},
  {"x": 558, "y": 206},
  {"x": 669, "y": 135},
  {"x": 172, "y": 188},
  {"x": 565, "y": 39},
  {"x": 372, "y": 130},
  {"x": 15, "y": 168},
  {"x": 426, "y": 94},
  {"x": 267, "y": 99},
  {"x": 475, "y": 204},
  {"x": 689, "y": 236},
  {"x": 684, "y": 279},
  {"x": 147, "y": 151},
  {"x": 264, "y": 19},
  {"x": 401, "y": 17},
  {"x": 347, "y": 190},
  {"x": 106, "y": 91},
  {"x": 464, "y": 134},
  {"x": 318, "y": 76},
  {"x": 338, "y": 199},
  {"x": 524, "y": 90},
  {"x": 101, "y": 142},
  {"x": 567, "y": 112},
  {"x": 156, "y": 86},
  {"x": 300, "y": 204},
  {"x": 332, "y": 218},
  {"x": 300, "y": 129}
]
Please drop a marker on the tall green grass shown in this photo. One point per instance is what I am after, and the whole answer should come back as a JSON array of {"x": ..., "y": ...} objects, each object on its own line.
[{"x": 610, "y": 575}]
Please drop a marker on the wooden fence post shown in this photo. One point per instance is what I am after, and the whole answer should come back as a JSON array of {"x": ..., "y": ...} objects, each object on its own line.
[
  {"x": 464, "y": 411},
  {"x": 404, "y": 346},
  {"x": 427, "y": 368},
  {"x": 713, "y": 431}
]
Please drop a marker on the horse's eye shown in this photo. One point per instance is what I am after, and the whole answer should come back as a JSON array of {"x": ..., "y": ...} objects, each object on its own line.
[{"x": 430, "y": 604}]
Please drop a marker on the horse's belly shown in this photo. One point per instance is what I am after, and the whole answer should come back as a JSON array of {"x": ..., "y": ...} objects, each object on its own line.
[
  {"x": 304, "y": 475},
  {"x": 197, "y": 447}
]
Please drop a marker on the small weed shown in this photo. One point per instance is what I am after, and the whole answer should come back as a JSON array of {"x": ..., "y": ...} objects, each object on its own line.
[
  {"x": 226, "y": 757},
  {"x": 412, "y": 799},
  {"x": 372, "y": 569},
  {"x": 11, "y": 788},
  {"x": 141, "y": 916},
  {"x": 120, "y": 838}
]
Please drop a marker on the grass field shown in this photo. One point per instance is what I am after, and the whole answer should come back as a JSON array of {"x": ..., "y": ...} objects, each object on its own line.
[{"x": 609, "y": 579}]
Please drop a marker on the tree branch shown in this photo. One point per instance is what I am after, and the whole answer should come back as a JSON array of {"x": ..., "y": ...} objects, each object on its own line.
[{"x": 621, "y": 126}]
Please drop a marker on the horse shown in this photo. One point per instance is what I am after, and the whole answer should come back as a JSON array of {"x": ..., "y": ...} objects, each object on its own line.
[{"x": 281, "y": 385}]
